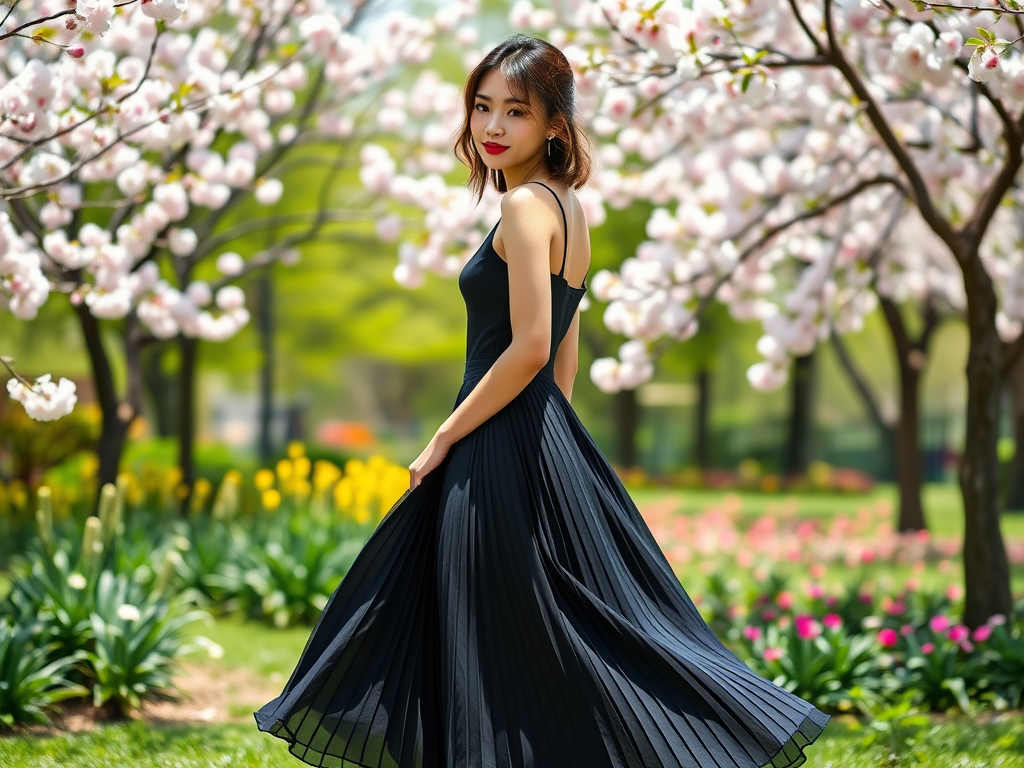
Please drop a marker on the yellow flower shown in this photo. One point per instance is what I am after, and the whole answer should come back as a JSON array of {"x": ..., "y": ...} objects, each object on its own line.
[
  {"x": 203, "y": 487},
  {"x": 296, "y": 449},
  {"x": 362, "y": 515},
  {"x": 271, "y": 500},
  {"x": 233, "y": 476},
  {"x": 325, "y": 475},
  {"x": 90, "y": 465},
  {"x": 354, "y": 467},
  {"x": 303, "y": 489},
  {"x": 377, "y": 463},
  {"x": 173, "y": 476},
  {"x": 343, "y": 494},
  {"x": 302, "y": 465},
  {"x": 264, "y": 479},
  {"x": 284, "y": 469}
]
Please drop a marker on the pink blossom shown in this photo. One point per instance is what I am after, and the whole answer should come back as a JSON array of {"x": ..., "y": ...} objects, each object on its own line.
[
  {"x": 888, "y": 637},
  {"x": 76, "y": 51},
  {"x": 958, "y": 633},
  {"x": 996, "y": 620},
  {"x": 815, "y": 591},
  {"x": 773, "y": 654},
  {"x": 785, "y": 600},
  {"x": 954, "y": 592},
  {"x": 927, "y": 648},
  {"x": 906, "y": 629},
  {"x": 938, "y": 623},
  {"x": 832, "y": 620},
  {"x": 806, "y": 627},
  {"x": 982, "y": 633},
  {"x": 768, "y": 614},
  {"x": 751, "y": 632}
]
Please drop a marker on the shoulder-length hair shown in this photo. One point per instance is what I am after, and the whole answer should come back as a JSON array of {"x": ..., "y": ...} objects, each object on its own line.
[{"x": 532, "y": 67}]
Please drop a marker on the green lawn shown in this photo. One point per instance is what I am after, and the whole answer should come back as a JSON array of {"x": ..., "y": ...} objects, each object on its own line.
[{"x": 952, "y": 743}]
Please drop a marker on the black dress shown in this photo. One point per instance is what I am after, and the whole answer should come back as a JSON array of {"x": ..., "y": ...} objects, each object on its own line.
[{"x": 514, "y": 610}]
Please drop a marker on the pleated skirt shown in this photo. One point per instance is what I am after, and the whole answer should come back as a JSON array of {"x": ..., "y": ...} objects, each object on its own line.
[{"x": 515, "y": 611}]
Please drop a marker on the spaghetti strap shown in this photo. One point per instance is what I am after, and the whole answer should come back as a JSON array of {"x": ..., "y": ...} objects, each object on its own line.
[{"x": 565, "y": 244}]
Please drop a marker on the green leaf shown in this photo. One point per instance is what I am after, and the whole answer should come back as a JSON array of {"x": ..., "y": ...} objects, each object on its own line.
[
  {"x": 974, "y": 41},
  {"x": 746, "y": 81}
]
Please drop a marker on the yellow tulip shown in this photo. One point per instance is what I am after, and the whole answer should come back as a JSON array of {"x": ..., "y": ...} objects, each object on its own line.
[
  {"x": 264, "y": 479},
  {"x": 302, "y": 466},
  {"x": 271, "y": 500},
  {"x": 284, "y": 469},
  {"x": 296, "y": 449}
]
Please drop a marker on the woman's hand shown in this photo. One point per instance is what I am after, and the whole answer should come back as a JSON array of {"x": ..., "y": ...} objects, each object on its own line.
[{"x": 432, "y": 455}]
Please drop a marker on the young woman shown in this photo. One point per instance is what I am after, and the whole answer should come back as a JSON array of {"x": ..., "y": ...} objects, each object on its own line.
[{"x": 512, "y": 609}]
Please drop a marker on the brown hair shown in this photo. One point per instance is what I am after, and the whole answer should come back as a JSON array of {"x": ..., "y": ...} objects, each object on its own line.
[{"x": 530, "y": 66}]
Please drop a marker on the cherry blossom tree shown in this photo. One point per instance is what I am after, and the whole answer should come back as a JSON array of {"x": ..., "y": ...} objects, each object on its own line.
[
  {"x": 129, "y": 130},
  {"x": 775, "y": 140}
]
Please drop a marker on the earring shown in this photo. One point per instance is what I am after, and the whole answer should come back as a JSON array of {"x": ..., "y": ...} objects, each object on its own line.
[{"x": 549, "y": 145}]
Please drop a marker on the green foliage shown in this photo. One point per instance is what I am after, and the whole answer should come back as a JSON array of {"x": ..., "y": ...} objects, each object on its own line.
[
  {"x": 137, "y": 640},
  {"x": 31, "y": 680},
  {"x": 893, "y": 732}
]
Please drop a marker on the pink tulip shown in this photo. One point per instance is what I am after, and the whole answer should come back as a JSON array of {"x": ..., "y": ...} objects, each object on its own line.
[
  {"x": 906, "y": 629},
  {"x": 773, "y": 654},
  {"x": 768, "y": 614},
  {"x": 982, "y": 633},
  {"x": 832, "y": 620},
  {"x": 806, "y": 627},
  {"x": 751, "y": 632},
  {"x": 958, "y": 633},
  {"x": 996, "y": 620},
  {"x": 938, "y": 623},
  {"x": 953, "y": 592},
  {"x": 888, "y": 637},
  {"x": 927, "y": 648},
  {"x": 815, "y": 591},
  {"x": 785, "y": 600}
]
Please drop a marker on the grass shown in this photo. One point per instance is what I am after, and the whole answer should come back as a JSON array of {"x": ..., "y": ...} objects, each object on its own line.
[{"x": 960, "y": 743}]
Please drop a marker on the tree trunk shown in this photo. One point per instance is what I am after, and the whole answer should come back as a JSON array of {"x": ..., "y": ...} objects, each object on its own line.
[
  {"x": 909, "y": 461},
  {"x": 1015, "y": 486},
  {"x": 188, "y": 350},
  {"x": 161, "y": 391},
  {"x": 627, "y": 417},
  {"x": 702, "y": 438},
  {"x": 986, "y": 570},
  {"x": 801, "y": 417},
  {"x": 114, "y": 428},
  {"x": 265, "y": 328},
  {"x": 911, "y": 357}
]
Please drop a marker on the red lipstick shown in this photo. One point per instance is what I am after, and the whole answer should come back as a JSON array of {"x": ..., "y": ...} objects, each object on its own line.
[{"x": 494, "y": 149}]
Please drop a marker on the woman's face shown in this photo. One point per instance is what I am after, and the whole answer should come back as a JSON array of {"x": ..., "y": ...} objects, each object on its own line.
[{"x": 498, "y": 120}]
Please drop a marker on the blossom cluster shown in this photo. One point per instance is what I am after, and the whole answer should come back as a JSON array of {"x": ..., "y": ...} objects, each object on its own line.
[
  {"x": 772, "y": 191},
  {"x": 175, "y": 115}
]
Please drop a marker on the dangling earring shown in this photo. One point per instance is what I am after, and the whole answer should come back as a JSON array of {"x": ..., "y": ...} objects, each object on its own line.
[{"x": 549, "y": 145}]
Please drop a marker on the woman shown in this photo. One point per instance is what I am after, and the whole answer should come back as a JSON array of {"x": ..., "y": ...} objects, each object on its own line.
[{"x": 512, "y": 609}]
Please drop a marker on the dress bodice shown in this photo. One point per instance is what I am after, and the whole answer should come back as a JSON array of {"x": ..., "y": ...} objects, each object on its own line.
[{"x": 483, "y": 283}]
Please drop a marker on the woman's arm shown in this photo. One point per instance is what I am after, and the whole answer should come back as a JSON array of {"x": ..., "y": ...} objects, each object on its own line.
[
  {"x": 528, "y": 226},
  {"x": 567, "y": 360}
]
